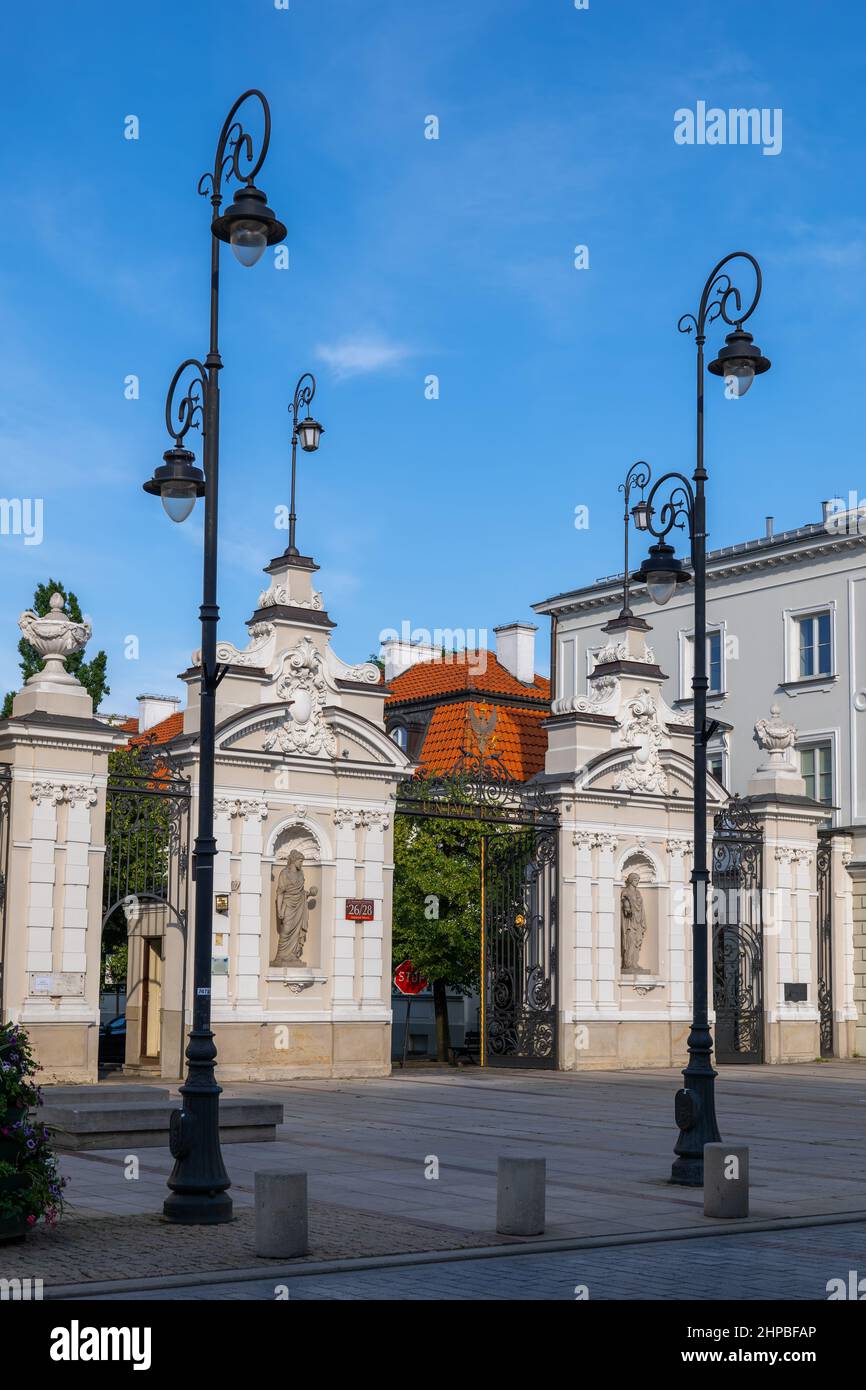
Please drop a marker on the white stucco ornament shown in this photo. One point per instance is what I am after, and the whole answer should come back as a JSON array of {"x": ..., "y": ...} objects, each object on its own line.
[
  {"x": 643, "y": 730},
  {"x": 304, "y": 688},
  {"x": 54, "y": 636}
]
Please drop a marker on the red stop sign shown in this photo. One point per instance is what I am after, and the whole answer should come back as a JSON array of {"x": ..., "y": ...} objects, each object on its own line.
[{"x": 408, "y": 980}]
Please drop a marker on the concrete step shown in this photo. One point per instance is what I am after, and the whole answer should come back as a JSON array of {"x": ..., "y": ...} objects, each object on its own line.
[
  {"x": 144, "y": 1123},
  {"x": 107, "y": 1093}
]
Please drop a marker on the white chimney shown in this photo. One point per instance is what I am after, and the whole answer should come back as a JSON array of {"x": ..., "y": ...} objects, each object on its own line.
[
  {"x": 152, "y": 709},
  {"x": 515, "y": 650},
  {"x": 399, "y": 655}
]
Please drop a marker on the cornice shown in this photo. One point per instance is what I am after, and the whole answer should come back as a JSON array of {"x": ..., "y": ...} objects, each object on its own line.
[{"x": 718, "y": 569}]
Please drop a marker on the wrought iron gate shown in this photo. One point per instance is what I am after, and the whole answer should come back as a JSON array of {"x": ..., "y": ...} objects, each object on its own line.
[
  {"x": 738, "y": 935},
  {"x": 518, "y": 1016},
  {"x": 518, "y": 899},
  {"x": 147, "y": 815},
  {"x": 825, "y": 940},
  {"x": 5, "y": 837}
]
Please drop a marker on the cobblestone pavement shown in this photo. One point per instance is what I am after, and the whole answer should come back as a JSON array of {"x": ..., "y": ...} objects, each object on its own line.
[
  {"x": 103, "y": 1248},
  {"x": 786, "y": 1265}
]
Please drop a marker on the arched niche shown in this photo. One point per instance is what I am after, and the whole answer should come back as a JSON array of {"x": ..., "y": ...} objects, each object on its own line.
[
  {"x": 638, "y": 893},
  {"x": 287, "y": 843}
]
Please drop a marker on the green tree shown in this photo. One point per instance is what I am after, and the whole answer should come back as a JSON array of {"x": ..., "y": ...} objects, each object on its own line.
[
  {"x": 90, "y": 673},
  {"x": 437, "y": 907}
]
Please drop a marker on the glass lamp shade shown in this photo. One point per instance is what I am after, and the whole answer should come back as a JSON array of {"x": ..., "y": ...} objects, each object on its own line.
[
  {"x": 310, "y": 432},
  {"x": 248, "y": 240},
  {"x": 642, "y": 513},
  {"x": 178, "y": 499},
  {"x": 738, "y": 378},
  {"x": 660, "y": 586}
]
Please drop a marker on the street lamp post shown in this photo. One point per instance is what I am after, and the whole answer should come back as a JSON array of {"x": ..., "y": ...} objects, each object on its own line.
[
  {"x": 199, "y": 1182},
  {"x": 310, "y": 432},
  {"x": 739, "y": 361},
  {"x": 637, "y": 476}
]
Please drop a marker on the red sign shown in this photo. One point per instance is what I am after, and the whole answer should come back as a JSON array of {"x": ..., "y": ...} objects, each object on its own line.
[
  {"x": 359, "y": 910},
  {"x": 407, "y": 979}
]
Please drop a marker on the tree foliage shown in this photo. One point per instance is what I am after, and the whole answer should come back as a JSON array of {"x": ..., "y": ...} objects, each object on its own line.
[
  {"x": 437, "y": 899},
  {"x": 90, "y": 673}
]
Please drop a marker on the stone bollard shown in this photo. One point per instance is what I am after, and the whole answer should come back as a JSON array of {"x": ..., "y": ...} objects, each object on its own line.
[
  {"x": 281, "y": 1214},
  {"x": 726, "y": 1180},
  {"x": 520, "y": 1196}
]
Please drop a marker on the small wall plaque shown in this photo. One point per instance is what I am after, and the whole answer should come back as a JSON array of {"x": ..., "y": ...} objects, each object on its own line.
[
  {"x": 359, "y": 910},
  {"x": 221, "y": 902},
  {"x": 57, "y": 984},
  {"x": 795, "y": 994}
]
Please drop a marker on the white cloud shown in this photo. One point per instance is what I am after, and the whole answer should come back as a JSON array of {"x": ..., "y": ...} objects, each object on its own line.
[{"x": 363, "y": 353}]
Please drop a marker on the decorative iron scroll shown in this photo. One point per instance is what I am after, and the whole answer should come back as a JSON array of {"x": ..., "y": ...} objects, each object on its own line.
[
  {"x": 824, "y": 859},
  {"x": 476, "y": 788},
  {"x": 520, "y": 924},
  {"x": 738, "y": 934}
]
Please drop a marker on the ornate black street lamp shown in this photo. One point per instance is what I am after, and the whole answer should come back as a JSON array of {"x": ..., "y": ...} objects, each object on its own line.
[
  {"x": 309, "y": 431},
  {"x": 738, "y": 362},
  {"x": 637, "y": 476},
  {"x": 199, "y": 1182}
]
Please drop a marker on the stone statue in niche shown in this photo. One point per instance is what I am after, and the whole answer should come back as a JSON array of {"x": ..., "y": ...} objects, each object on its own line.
[
  {"x": 632, "y": 918},
  {"x": 294, "y": 901}
]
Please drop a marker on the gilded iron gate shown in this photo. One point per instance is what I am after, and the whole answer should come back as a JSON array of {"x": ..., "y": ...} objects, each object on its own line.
[
  {"x": 518, "y": 899},
  {"x": 825, "y": 940},
  {"x": 738, "y": 935},
  {"x": 519, "y": 947}
]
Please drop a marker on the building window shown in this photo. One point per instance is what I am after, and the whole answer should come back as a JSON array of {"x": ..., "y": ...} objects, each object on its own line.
[
  {"x": 816, "y": 768},
  {"x": 715, "y": 663},
  {"x": 400, "y": 735},
  {"x": 814, "y": 645},
  {"x": 716, "y": 766}
]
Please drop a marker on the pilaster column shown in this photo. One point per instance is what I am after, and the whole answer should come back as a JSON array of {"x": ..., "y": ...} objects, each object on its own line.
[
  {"x": 343, "y": 992},
  {"x": 373, "y": 824},
  {"x": 679, "y": 933}
]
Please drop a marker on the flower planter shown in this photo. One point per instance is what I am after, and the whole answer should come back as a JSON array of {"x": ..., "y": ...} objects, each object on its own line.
[
  {"x": 30, "y": 1184},
  {"x": 13, "y": 1227},
  {"x": 9, "y": 1147}
]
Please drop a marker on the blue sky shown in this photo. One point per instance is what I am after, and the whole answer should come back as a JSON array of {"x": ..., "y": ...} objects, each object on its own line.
[{"x": 409, "y": 258}]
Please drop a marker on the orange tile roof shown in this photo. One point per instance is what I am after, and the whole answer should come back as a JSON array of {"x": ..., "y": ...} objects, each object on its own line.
[
  {"x": 514, "y": 735},
  {"x": 477, "y": 671},
  {"x": 157, "y": 733}
]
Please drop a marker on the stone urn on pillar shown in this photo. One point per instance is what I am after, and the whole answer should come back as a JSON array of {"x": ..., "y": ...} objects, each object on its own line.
[{"x": 55, "y": 636}]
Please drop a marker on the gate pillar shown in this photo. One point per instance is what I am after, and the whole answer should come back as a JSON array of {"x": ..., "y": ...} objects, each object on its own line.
[
  {"x": 790, "y": 821},
  {"x": 57, "y": 755}
]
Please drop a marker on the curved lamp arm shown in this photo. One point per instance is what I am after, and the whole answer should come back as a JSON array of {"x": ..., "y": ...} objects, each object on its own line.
[{"x": 718, "y": 296}]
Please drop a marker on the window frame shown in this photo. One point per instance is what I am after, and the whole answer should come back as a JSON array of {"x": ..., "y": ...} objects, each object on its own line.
[
  {"x": 685, "y": 662},
  {"x": 822, "y": 738},
  {"x": 792, "y": 618}
]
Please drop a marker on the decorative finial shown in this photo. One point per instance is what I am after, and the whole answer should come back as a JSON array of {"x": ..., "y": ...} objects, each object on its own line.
[
  {"x": 55, "y": 637},
  {"x": 777, "y": 738}
]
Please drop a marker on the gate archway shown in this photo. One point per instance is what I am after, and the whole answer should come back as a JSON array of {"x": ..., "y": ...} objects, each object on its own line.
[
  {"x": 518, "y": 893},
  {"x": 146, "y": 891}
]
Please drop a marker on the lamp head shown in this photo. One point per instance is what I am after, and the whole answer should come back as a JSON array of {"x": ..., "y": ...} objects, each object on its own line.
[
  {"x": 248, "y": 225},
  {"x": 177, "y": 482},
  {"x": 739, "y": 362},
  {"x": 661, "y": 571}
]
